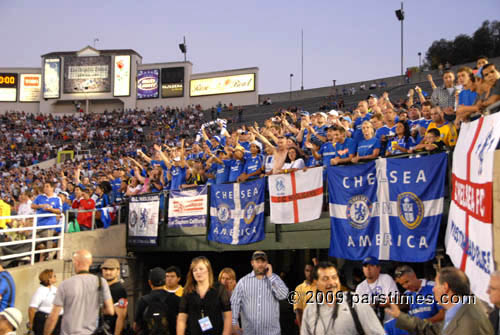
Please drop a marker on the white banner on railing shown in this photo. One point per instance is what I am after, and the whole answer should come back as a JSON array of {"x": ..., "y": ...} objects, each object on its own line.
[
  {"x": 143, "y": 219},
  {"x": 188, "y": 208},
  {"x": 469, "y": 234}
]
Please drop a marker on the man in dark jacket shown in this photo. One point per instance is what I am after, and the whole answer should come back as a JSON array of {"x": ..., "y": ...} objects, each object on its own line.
[{"x": 494, "y": 292}]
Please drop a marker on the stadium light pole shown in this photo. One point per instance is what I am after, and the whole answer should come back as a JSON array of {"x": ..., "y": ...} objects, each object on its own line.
[
  {"x": 419, "y": 60},
  {"x": 291, "y": 76},
  {"x": 400, "y": 14}
]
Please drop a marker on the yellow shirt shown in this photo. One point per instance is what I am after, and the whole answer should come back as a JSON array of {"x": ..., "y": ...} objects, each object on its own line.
[
  {"x": 4, "y": 211},
  {"x": 302, "y": 290},
  {"x": 178, "y": 292},
  {"x": 448, "y": 133}
]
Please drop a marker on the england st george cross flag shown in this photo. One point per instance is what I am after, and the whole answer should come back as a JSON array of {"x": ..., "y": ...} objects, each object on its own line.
[
  {"x": 389, "y": 209},
  {"x": 237, "y": 212},
  {"x": 469, "y": 234}
]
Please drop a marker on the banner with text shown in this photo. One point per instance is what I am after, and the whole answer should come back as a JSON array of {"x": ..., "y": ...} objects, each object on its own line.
[
  {"x": 390, "y": 209},
  {"x": 237, "y": 212},
  {"x": 143, "y": 219},
  {"x": 148, "y": 84},
  {"x": 469, "y": 234},
  {"x": 188, "y": 208},
  {"x": 87, "y": 74}
]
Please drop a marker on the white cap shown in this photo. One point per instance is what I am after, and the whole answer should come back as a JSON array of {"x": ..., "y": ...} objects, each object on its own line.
[
  {"x": 323, "y": 114},
  {"x": 333, "y": 112},
  {"x": 13, "y": 316}
]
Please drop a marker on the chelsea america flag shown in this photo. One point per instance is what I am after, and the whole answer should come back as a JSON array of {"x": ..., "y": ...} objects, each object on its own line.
[{"x": 390, "y": 209}]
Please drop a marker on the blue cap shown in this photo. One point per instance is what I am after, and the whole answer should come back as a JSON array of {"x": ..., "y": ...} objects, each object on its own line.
[
  {"x": 371, "y": 261},
  {"x": 304, "y": 113}
]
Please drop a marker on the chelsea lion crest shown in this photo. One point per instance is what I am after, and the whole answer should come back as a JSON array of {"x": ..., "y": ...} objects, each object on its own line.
[
  {"x": 410, "y": 209},
  {"x": 358, "y": 212},
  {"x": 223, "y": 213},
  {"x": 249, "y": 212}
]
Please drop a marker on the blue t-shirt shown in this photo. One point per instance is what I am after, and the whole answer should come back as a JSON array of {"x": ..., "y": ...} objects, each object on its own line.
[
  {"x": 424, "y": 123},
  {"x": 390, "y": 328},
  {"x": 327, "y": 151},
  {"x": 467, "y": 98},
  {"x": 424, "y": 310},
  {"x": 246, "y": 146},
  {"x": 221, "y": 172},
  {"x": 312, "y": 162},
  {"x": 414, "y": 123},
  {"x": 366, "y": 147},
  {"x": 358, "y": 134},
  {"x": 102, "y": 201},
  {"x": 253, "y": 164},
  {"x": 321, "y": 131},
  {"x": 178, "y": 177},
  {"x": 402, "y": 142},
  {"x": 384, "y": 130},
  {"x": 235, "y": 168},
  {"x": 343, "y": 150},
  {"x": 55, "y": 202},
  {"x": 7, "y": 290}
]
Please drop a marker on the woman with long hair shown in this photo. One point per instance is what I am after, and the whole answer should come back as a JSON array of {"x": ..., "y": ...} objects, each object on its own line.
[
  {"x": 41, "y": 303},
  {"x": 205, "y": 307},
  {"x": 227, "y": 277},
  {"x": 293, "y": 161},
  {"x": 402, "y": 142},
  {"x": 369, "y": 148}
]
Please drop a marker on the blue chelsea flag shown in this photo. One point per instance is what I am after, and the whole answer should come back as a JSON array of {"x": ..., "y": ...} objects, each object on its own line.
[
  {"x": 389, "y": 209},
  {"x": 237, "y": 212}
]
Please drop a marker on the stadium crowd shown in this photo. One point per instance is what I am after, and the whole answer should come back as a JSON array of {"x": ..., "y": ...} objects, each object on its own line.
[{"x": 185, "y": 150}]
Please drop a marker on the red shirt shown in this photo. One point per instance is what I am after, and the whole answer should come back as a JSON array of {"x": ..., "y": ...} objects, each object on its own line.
[{"x": 85, "y": 219}]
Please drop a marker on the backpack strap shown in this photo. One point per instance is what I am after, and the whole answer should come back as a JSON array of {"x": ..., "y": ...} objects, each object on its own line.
[{"x": 354, "y": 313}]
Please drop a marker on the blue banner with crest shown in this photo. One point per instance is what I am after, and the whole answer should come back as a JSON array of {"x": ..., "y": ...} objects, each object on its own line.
[
  {"x": 237, "y": 212},
  {"x": 390, "y": 209}
]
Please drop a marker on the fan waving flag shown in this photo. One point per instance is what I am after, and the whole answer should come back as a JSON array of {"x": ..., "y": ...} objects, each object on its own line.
[
  {"x": 296, "y": 197},
  {"x": 390, "y": 209},
  {"x": 237, "y": 212}
]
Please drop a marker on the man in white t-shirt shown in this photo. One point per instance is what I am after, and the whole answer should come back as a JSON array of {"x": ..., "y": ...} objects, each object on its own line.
[{"x": 376, "y": 284}]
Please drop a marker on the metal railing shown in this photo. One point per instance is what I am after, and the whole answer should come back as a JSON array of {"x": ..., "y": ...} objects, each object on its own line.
[
  {"x": 30, "y": 250},
  {"x": 93, "y": 211}
]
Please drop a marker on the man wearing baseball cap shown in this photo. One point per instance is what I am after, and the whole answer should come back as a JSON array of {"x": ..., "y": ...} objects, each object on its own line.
[
  {"x": 376, "y": 284},
  {"x": 10, "y": 321},
  {"x": 258, "y": 291},
  {"x": 111, "y": 272}
]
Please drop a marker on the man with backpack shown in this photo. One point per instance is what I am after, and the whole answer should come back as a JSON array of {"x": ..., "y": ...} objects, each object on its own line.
[
  {"x": 157, "y": 311},
  {"x": 330, "y": 311}
]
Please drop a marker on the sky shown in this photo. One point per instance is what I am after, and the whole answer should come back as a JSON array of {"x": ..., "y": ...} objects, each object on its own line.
[{"x": 347, "y": 41}]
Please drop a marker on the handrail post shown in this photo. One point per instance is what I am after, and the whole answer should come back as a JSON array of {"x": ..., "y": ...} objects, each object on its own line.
[
  {"x": 119, "y": 216},
  {"x": 61, "y": 240},
  {"x": 33, "y": 242},
  {"x": 93, "y": 219}
]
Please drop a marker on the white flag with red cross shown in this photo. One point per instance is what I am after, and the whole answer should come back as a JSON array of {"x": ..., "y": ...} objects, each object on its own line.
[
  {"x": 469, "y": 234},
  {"x": 297, "y": 196}
]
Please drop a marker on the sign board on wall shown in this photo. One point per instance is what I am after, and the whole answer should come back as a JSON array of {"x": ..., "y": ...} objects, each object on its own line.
[
  {"x": 87, "y": 74},
  {"x": 121, "y": 84},
  {"x": 148, "y": 83},
  {"x": 8, "y": 87},
  {"x": 51, "y": 78},
  {"x": 223, "y": 85},
  {"x": 29, "y": 88},
  {"x": 172, "y": 82}
]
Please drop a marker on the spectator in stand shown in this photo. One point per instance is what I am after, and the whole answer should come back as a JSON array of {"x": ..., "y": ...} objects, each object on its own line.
[
  {"x": 468, "y": 95},
  {"x": 431, "y": 142},
  {"x": 345, "y": 147},
  {"x": 293, "y": 161},
  {"x": 369, "y": 148},
  {"x": 494, "y": 293},
  {"x": 491, "y": 76},
  {"x": 85, "y": 205},
  {"x": 444, "y": 96},
  {"x": 402, "y": 142},
  {"x": 361, "y": 114},
  {"x": 448, "y": 131}
]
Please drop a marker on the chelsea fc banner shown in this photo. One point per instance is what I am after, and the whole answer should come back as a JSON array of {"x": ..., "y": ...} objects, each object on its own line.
[
  {"x": 237, "y": 212},
  {"x": 389, "y": 209},
  {"x": 143, "y": 217}
]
